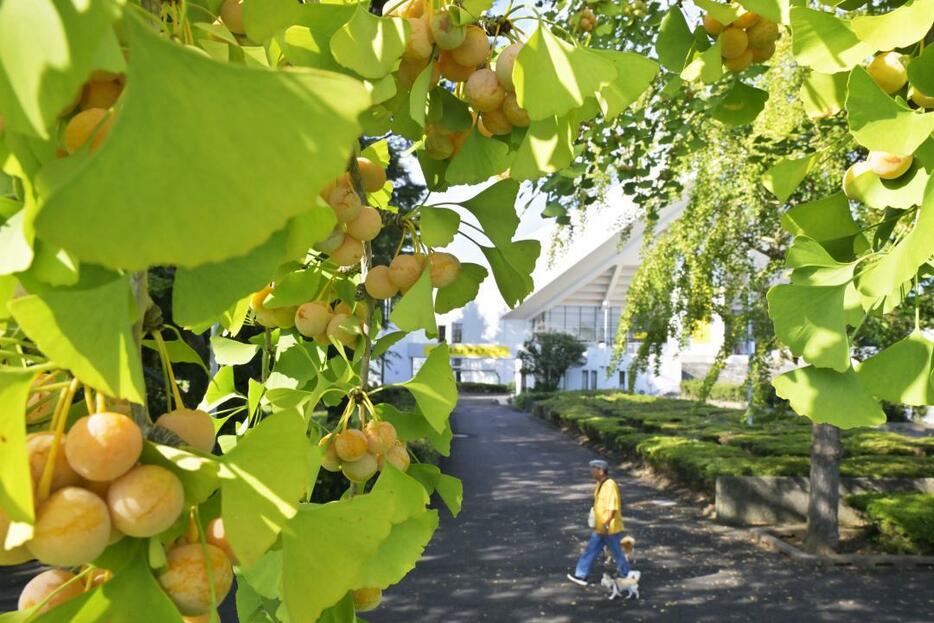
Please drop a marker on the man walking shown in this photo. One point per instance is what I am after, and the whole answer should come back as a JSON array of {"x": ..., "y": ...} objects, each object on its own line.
[{"x": 607, "y": 525}]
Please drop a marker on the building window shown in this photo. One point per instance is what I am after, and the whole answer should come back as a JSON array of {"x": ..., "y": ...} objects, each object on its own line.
[
  {"x": 457, "y": 332},
  {"x": 585, "y": 376},
  {"x": 593, "y": 379},
  {"x": 442, "y": 333},
  {"x": 622, "y": 379}
]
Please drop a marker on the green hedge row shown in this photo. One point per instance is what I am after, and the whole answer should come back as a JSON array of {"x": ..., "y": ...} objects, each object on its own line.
[
  {"x": 694, "y": 443},
  {"x": 904, "y": 521},
  {"x": 727, "y": 392},
  {"x": 469, "y": 387}
]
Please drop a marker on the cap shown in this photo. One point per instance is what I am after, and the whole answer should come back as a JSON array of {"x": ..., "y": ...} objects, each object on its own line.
[{"x": 600, "y": 464}]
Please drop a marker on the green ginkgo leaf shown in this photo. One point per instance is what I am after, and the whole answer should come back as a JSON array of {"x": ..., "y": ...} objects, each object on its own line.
[
  {"x": 264, "y": 18},
  {"x": 634, "y": 74},
  {"x": 498, "y": 224},
  {"x": 47, "y": 50},
  {"x": 828, "y": 221},
  {"x": 881, "y": 123},
  {"x": 921, "y": 71},
  {"x": 438, "y": 225},
  {"x": 829, "y": 397},
  {"x": 904, "y": 192},
  {"x": 810, "y": 321},
  {"x": 188, "y": 182},
  {"x": 899, "y": 28},
  {"x": 434, "y": 389},
  {"x": 228, "y": 352},
  {"x": 823, "y": 95},
  {"x": 784, "y": 176},
  {"x": 463, "y": 290},
  {"x": 825, "y": 42},
  {"x": 902, "y": 372},
  {"x": 262, "y": 480},
  {"x": 512, "y": 267},
  {"x": 88, "y": 332},
  {"x": 776, "y": 10},
  {"x": 15, "y": 245},
  {"x": 400, "y": 551},
  {"x": 478, "y": 159},
  {"x": 418, "y": 95},
  {"x": 741, "y": 105},
  {"x": 307, "y": 43},
  {"x": 724, "y": 13},
  {"x": 548, "y": 147},
  {"x": 369, "y": 45},
  {"x": 705, "y": 65},
  {"x": 675, "y": 41},
  {"x": 201, "y": 294},
  {"x": 15, "y": 480},
  {"x": 902, "y": 261},
  {"x": 553, "y": 77},
  {"x": 415, "y": 310}
]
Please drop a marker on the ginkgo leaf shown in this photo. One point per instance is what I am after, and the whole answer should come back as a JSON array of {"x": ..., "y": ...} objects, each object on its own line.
[
  {"x": 898, "y": 28},
  {"x": 463, "y": 290},
  {"x": 16, "y": 498},
  {"x": 823, "y": 95},
  {"x": 675, "y": 40},
  {"x": 512, "y": 267},
  {"x": 741, "y": 105},
  {"x": 724, "y": 13},
  {"x": 553, "y": 77},
  {"x": 825, "y": 42},
  {"x": 87, "y": 331},
  {"x": 47, "y": 50},
  {"x": 776, "y": 10},
  {"x": 307, "y": 42},
  {"x": 478, "y": 159},
  {"x": 368, "y": 44},
  {"x": 784, "y": 177},
  {"x": 634, "y": 74},
  {"x": 811, "y": 322},
  {"x": 546, "y": 148},
  {"x": 264, "y": 18},
  {"x": 438, "y": 225},
  {"x": 904, "y": 192},
  {"x": 202, "y": 293},
  {"x": 921, "y": 71},
  {"x": 262, "y": 480},
  {"x": 434, "y": 389},
  {"x": 902, "y": 261},
  {"x": 828, "y": 221},
  {"x": 829, "y": 397},
  {"x": 415, "y": 310},
  {"x": 902, "y": 372},
  {"x": 183, "y": 189},
  {"x": 498, "y": 224},
  {"x": 228, "y": 352},
  {"x": 15, "y": 245},
  {"x": 705, "y": 65},
  {"x": 881, "y": 123}
]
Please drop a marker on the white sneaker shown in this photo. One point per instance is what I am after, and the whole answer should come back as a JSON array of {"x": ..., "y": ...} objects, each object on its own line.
[{"x": 577, "y": 580}]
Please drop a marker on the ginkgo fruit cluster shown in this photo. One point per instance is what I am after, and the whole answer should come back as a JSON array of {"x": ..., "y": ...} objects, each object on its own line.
[
  {"x": 357, "y": 223},
  {"x": 359, "y": 454},
  {"x": 384, "y": 282},
  {"x": 749, "y": 39}
]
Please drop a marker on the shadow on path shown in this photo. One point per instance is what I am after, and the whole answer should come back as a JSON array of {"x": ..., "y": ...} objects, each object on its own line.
[{"x": 526, "y": 497}]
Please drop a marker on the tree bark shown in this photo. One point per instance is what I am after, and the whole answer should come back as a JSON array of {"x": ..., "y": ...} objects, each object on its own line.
[{"x": 823, "y": 535}]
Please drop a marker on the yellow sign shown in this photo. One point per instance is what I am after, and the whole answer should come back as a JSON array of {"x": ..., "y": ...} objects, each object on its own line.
[{"x": 492, "y": 351}]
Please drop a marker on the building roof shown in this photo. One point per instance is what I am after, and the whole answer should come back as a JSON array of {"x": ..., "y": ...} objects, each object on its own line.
[{"x": 601, "y": 275}]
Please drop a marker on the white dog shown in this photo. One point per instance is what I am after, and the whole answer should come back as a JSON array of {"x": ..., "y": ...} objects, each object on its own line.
[{"x": 628, "y": 584}]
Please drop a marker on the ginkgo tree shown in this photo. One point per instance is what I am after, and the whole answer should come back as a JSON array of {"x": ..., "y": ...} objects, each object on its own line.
[
  {"x": 224, "y": 140},
  {"x": 851, "y": 256}
]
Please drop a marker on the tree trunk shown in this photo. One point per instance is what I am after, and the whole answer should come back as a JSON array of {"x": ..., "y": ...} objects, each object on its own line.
[{"x": 823, "y": 534}]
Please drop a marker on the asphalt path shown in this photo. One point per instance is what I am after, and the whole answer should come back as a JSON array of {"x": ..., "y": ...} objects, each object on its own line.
[{"x": 526, "y": 497}]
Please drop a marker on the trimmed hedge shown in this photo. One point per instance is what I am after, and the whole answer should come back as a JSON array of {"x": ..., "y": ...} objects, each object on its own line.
[
  {"x": 694, "y": 443},
  {"x": 469, "y": 387},
  {"x": 727, "y": 392},
  {"x": 904, "y": 521}
]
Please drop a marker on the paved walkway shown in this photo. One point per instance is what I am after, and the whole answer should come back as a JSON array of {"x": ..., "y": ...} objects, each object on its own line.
[{"x": 526, "y": 498}]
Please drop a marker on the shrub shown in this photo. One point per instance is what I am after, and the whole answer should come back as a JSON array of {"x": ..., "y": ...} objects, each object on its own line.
[
  {"x": 469, "y": 387},
  {"x": 727, "y": 392},
  {"x": 904, "y": 521}
]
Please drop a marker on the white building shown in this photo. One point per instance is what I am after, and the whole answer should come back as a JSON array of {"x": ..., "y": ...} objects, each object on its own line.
[{"x": 584, "y": 298}]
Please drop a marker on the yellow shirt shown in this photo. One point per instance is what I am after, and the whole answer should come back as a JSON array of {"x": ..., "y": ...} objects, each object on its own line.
[{"x": 605, "y": 501}]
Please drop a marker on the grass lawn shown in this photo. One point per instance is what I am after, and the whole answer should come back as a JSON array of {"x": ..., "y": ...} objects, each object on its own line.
[{"x": 694, "y": 443}]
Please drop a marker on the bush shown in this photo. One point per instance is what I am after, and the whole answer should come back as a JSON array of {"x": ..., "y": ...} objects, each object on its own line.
[
  {"x": 904, "y": 521},
  {"x": 468, "y": 387},
  {"x": 727, "y": 392}
]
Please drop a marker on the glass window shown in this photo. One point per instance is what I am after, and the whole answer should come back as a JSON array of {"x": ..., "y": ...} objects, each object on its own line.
[
  {"x": 442, "y": 332},
  {"x": 593, "y": 379},
  {"x": 588, "y": 323},
  {"x": 585, "y": 376},
  {"x": 622, "y": 378},
  {"x": 457, "y": 332}
]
